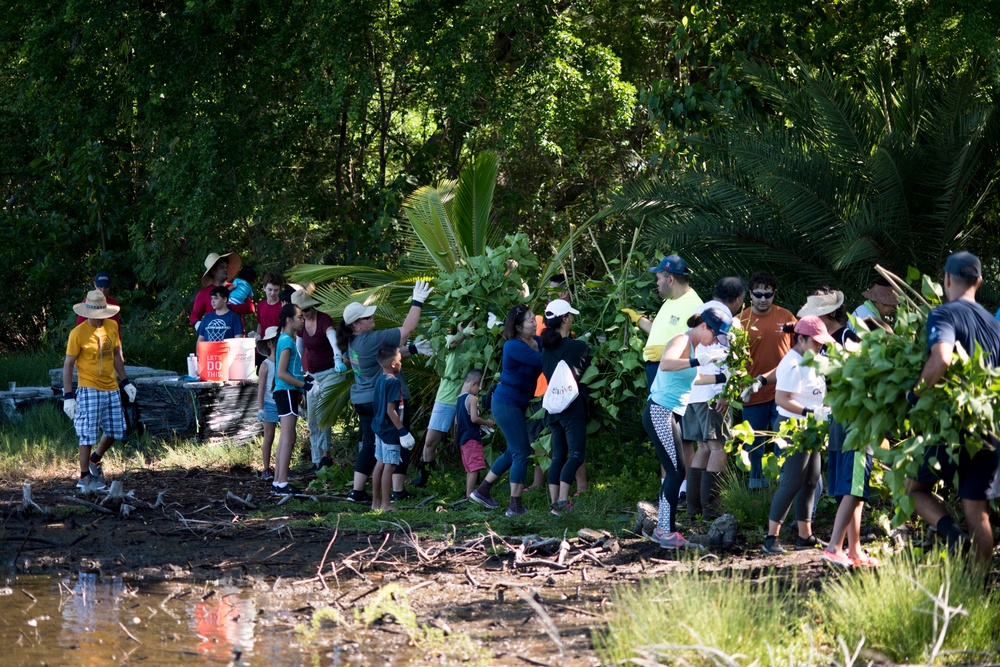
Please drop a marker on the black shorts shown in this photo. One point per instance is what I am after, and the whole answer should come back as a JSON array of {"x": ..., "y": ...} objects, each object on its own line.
[
  {"x": 287, "y": 401},
  {"x": 978, "y": 476}
]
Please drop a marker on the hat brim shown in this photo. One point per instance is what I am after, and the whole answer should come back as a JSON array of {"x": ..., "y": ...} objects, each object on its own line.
[
  {"x": 235, "y": 264},
  {"x": 882, "y": 294},
  {"x": 82, "y": 310},
  {"x": 824, "y": 339},
  {"x": 367, "y": 312},
  {"x": 309, "y": 303}
]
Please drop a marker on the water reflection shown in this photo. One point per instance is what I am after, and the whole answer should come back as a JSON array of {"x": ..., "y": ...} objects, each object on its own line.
[{"x": 91, "y": 620}]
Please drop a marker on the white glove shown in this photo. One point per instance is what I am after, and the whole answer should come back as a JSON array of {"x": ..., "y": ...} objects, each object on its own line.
[
  {"x": 407, "y": 441},
  {"x": 130, "y": 390},
  {"x": 424, "y": 348},
  {"x": 260, "y": 416},
  {"x": 492, "y": 322},
  {"x": 709, "y": 355},
  {"x": 69, "y": 407},
  {"x": 421, "y": 290},
  {"x": 487, "y": 430},
  {"x": 822, "y": 413},
  {"x": 751, "y": 389}
]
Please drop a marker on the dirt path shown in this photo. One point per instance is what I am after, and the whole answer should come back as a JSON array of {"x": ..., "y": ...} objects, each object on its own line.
[{"x": 513, "y": 599}]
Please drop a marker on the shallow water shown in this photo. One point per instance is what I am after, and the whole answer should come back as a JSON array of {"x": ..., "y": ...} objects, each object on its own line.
[{"x": 79, "y": 620}]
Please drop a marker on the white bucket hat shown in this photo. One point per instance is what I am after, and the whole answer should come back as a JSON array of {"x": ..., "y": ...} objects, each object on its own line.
[{"x": 356, "y": 311}]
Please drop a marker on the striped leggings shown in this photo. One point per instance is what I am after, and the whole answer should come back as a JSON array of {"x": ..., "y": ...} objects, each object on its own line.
[{"x": 664, "y": 429}]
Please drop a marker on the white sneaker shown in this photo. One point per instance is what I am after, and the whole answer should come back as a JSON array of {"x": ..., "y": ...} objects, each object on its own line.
[{"x": 90, "y": 484}]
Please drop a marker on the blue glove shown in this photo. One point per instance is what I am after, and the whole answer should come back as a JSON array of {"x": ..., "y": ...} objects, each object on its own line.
[{"x": 340, "y": 367}]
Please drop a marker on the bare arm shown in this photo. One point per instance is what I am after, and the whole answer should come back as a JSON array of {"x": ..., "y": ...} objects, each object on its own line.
[
  {"x": 472, "y": 405},
  {"x": 409, "y": 324},
  {"x": 392, "y": 410},
  {"x": 283, "y": 374},
  {"x": 68, "y": 373},
  {"x": 938, "y": 360},
  {"x": 784, "y": 400},
  {"x": 645, "y": 324},
  {"x": 119, "y": 360},
  {"x": 675, "y": 356},
  {"x": 261, "y": 384}
]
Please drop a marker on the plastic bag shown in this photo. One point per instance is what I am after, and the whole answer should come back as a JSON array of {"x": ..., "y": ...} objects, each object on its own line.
[{"x": 562, "y": 389}]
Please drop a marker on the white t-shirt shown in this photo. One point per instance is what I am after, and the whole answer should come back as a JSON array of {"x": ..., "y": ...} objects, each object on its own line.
[{"x": 806, "y": 385}]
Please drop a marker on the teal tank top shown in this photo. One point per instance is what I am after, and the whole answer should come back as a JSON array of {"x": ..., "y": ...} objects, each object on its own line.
[{"x": 671, "y": 389}]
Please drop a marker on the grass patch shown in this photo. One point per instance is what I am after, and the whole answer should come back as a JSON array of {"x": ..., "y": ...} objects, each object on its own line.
[
  {"x": 29, "y": 369},
  {"x": 684, "y": 616},
  {"x": 749, "y": 506},
  {"x": 893, "y": 609}
]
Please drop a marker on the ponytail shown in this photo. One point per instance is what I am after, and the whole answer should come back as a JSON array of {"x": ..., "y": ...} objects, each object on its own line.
[
  {"x": 694, "y": 321},
  {"x": 551, "y": 337}
]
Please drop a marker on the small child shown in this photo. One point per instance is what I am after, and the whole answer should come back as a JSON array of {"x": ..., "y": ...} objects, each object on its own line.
[
  {"x": 849, "y": 473},
  {"x": 267, "y": 409},
  {"x": 467, "y": 429},
  {"x": 240, "y": 289},
  {"x": 221, "y": 323},
  {"x": 390, "y": 434}
]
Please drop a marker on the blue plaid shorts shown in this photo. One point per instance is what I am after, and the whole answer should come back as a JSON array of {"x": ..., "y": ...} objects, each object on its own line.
[{"x": 98, "y": 411}]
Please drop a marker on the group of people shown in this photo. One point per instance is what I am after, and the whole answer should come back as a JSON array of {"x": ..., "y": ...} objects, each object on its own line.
[{"x": 303, "y": 351}]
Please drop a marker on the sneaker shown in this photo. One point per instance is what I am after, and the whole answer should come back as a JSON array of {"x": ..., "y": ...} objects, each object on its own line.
[
  {"x": 356, "y": 496},
  {"x": 840, "y": 560},
  {"x": 864, "y": 560},
  {"x": 811, "y": 542},
  {"x": 512, "y": 512},
  {"x": 90, "y": 484},
  {"x": 677, "y": 541},
  {"x": 559, "y": 507},
  {"x": 97, "y": 471},
  {"x": 267, "y": 475},
  {"x": 772, "y": 546},
  {"x": 325, "y": 462},
  {"x": 286, "y": 490},
  {"x": 682, "y": 499},
  {"x": 485, "y": 501},
  {"x": 657, "y": 535},
  {"x": 400, "y": 495}
]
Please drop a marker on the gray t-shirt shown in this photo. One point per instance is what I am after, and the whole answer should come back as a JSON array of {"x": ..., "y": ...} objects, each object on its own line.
[{"x": 363, "y": 352}]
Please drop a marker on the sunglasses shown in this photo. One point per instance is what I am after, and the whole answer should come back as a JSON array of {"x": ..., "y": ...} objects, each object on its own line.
[{"x": 762, "y": 295}]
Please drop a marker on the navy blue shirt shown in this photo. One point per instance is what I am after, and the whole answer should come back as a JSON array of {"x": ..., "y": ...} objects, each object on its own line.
[
  {"x": 465, "y": 429},
  {"x": 215, "y": 328},
  {"x": 968, "y": 323},
  {"x": 518, "y": 373},
  {"x": 387, "y": 390}
]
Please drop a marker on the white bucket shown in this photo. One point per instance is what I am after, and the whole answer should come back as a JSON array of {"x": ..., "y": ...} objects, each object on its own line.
[{"x": 241, "y": 358}]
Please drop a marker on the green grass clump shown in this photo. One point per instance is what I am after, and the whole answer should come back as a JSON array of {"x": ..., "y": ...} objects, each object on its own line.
[
  {"x": 887, "y": 607},
  {"x": 41, "y": 438},
  {"x": 29, "y": 369},
  {"x": 749, "y": 506},
  {"x": 752, "y": 621}
]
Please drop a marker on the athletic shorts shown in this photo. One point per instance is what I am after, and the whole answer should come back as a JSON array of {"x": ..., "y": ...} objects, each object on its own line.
[
  {"x": 287, "y": 402},
  {"x": 848, "y": 473},
  {"x": 98, "y": 412},
  {"x": 978, "y": 476},
  {"x": 472, "y": 456},
  {"x": 702, "y": 422},
  {"x": 270, "y": 412},
  {"x": 442, "y": 417},
  {"x": 388, "y": 453}
]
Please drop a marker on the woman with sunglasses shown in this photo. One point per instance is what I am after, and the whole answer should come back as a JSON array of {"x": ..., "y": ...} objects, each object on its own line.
[
  {"x": 358, "y": 339},
  {"x": 799, "y": 392},
  {"x": 519, "y": 371},
  {"x": 668, "y": 398}
]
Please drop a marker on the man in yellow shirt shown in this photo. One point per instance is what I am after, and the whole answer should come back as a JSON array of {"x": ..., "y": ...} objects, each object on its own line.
[
  {"x": 94, "y": 348},
  {"x": 680, "y": 302}
]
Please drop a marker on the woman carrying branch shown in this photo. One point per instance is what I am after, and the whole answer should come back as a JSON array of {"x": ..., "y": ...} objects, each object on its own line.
[
  {"x": 799, "y": 392},
  {"x": 520, "y": 367},
  {"x": 676, "y": 374}
]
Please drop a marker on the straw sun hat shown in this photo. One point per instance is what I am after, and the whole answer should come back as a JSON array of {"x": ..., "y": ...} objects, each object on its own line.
[
  {"x": 822, "y": 304},
  {"x": 235, "y": 263},
  {"x": 96, "y": 307}
]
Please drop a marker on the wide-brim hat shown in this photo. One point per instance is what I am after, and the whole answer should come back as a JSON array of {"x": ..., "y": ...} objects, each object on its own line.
[
  {"x": 882, "y": 292},
  {"x": 822, "y": 304},
  {"x": 356, "y": 311},
  {"x": 235, "y": 264},
  {"x": 96, "y": 307},
  {"x": 303, "y": 298},
  {"x": 269, "y": 333}
]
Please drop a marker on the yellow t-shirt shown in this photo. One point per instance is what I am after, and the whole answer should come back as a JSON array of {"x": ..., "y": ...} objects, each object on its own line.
[
  {"x": 94, "y": 350},
  {"x": 670, "y": 321}
]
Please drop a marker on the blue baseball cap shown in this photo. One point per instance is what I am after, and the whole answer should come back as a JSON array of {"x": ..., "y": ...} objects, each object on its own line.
[
  {"x": 719, "y": 321},
  {"x": 963, "y": 264},
  {"x": 671, "y": 264},
  {"x": 102, "y": 279}
]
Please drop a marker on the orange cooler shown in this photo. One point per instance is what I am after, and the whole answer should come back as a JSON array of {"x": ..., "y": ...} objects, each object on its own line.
[{"x": 213, "y": 361}]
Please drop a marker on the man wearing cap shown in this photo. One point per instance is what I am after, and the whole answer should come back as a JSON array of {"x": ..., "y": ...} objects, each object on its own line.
[
  {"x": 960, "y": 321},
  {"x": 94, "y": 349},
  {"x": 680, "y": 302},
  {"x": 881, "y": 300},
  {"x": 768, "y": 346},
  {"x": 219, "y": 269}
]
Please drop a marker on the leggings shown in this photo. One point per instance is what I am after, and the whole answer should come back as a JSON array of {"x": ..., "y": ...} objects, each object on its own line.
[
  {"x": 365, "y": 462},
  {"x": 664, "y": 429},
  {"x": 513, "y": 425},
  {"x": 799, "y": 476},
  {"x": 569, "y": 448}
]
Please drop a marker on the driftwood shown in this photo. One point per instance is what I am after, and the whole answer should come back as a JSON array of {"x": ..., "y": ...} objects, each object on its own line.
[{"x": 28, "y": 502}]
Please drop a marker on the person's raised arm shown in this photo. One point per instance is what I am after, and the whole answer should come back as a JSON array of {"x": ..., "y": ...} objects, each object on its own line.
[{"x": 421, "y": 290}]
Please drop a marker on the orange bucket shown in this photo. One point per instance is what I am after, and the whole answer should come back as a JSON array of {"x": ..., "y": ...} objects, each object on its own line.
[{"x": 213, "y": 361}]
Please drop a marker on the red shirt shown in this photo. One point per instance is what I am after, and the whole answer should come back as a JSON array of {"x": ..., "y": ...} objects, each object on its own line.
[
  {"x": 117, "y": 317},
  {"x": 267, "y": 315},
  {"x": 203, "y": 304}
]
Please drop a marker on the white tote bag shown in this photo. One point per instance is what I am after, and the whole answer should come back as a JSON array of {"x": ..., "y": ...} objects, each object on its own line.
[{"x": 562, "y": 389}]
